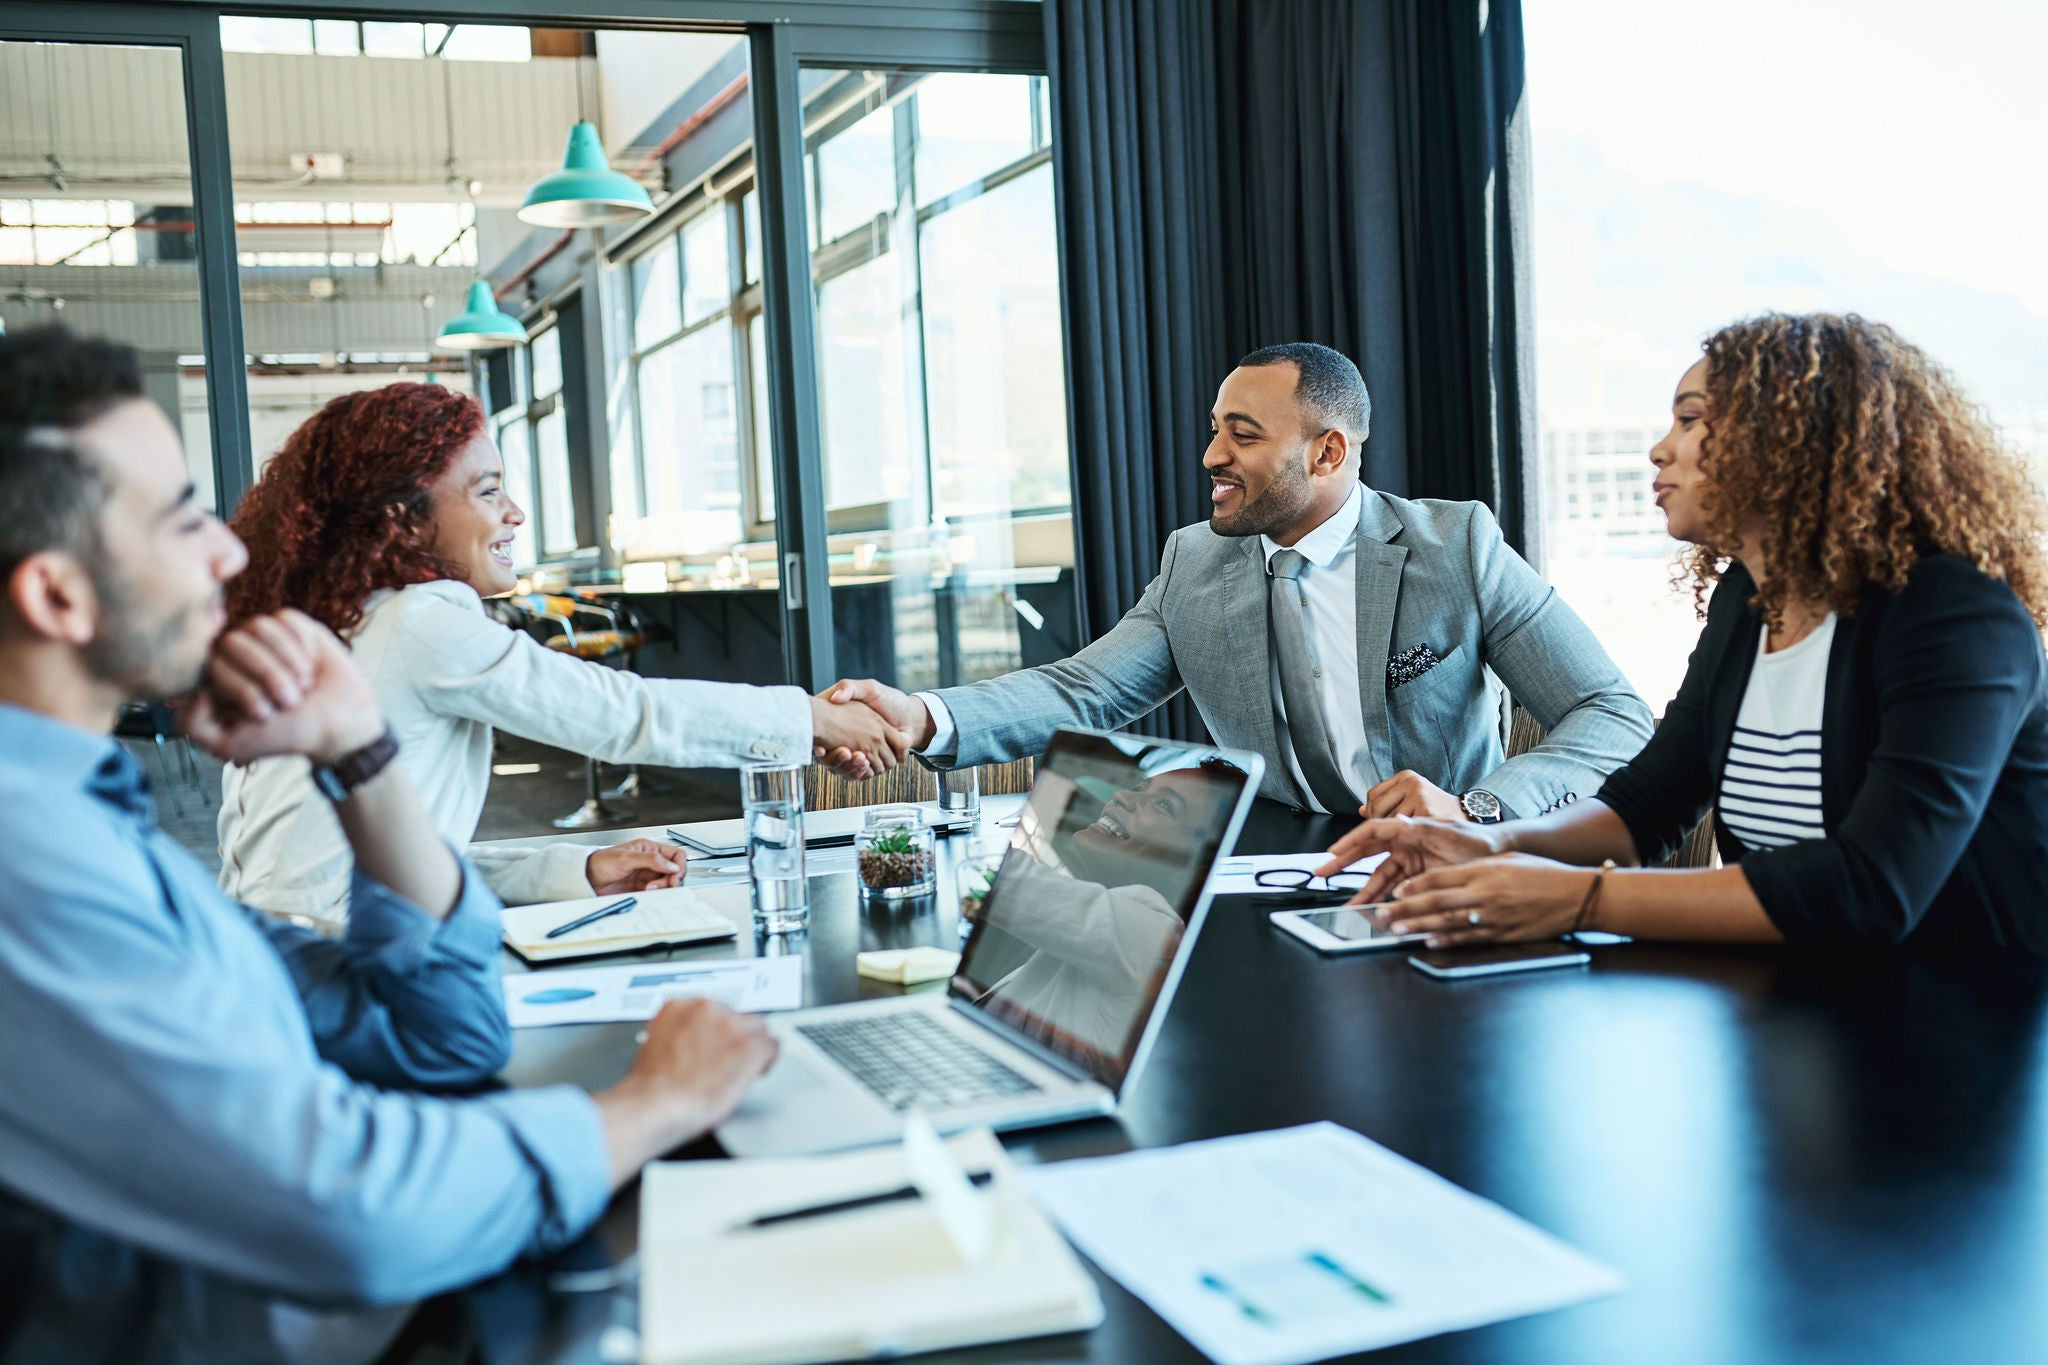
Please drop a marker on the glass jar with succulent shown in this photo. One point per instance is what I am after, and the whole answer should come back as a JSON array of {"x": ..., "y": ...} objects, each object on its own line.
[{"x": 895, "y": 853}]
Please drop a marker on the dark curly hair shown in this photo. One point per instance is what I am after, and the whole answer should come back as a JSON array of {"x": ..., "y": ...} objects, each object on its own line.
[
  {"x": 345, "y": 507},
  {"x": 1853, "y": 454}
]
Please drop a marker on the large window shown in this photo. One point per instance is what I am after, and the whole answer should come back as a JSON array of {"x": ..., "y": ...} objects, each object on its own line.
[
  {"x": 530, "y": 420},
  {"x": 697, "y": 510},
  {"x": 1834, "y": 167},
  {"x": 941, "y": 380},
  {"x": 942, "y": 396}
]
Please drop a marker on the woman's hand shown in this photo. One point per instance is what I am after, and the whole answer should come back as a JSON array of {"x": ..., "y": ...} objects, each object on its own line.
[
  {"x": 1411, "y": 846},
  {"x": 1509, "y": 898},
  {"x": 635, "y": 865}
]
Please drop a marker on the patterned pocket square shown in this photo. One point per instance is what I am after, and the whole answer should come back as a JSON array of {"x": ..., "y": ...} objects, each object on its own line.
[{"x": 1410, "y": 664}]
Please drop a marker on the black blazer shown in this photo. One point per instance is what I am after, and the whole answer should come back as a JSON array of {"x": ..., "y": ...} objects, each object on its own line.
[{"x": 1934, "y": 766}]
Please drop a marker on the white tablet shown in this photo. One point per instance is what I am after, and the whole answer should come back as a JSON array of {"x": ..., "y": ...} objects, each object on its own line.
[{"x": 1343, "y": 929}]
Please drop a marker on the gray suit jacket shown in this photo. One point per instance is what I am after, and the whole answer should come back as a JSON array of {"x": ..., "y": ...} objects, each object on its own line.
[{"x": 1429, "y": 572}]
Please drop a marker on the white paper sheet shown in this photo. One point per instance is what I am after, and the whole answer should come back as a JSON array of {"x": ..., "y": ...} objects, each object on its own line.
[
  {"x": 637, "y": 990},
  {"x": 1304, "y": 1243},
  {"x": 1238, "y": 875},
  {"x": 818, "y": 862}
]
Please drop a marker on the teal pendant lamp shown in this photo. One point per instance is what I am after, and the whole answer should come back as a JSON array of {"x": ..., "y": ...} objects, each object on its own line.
[
  {"x": 482, "y": 325},
  {"x": 586, "y": 192}
]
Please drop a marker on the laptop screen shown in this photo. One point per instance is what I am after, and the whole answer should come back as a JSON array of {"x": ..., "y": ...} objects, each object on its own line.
[{"x": 1107, "y": 864}]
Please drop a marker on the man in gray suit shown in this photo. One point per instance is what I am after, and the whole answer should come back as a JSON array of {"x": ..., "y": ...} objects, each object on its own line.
[{"x": 1360, "y": 642}]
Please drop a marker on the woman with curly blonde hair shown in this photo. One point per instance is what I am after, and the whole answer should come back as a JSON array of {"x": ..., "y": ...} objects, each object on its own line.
[{"x": 1866, "y": 713}]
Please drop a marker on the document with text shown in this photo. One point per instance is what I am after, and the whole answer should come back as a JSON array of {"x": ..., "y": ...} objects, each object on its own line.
[
  {"x": 637, "y": 990},
  {"x": 1305, "y": 1243}
]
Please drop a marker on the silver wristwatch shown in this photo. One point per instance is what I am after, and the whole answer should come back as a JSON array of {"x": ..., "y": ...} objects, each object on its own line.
[{"x": 1481, "y": 807}]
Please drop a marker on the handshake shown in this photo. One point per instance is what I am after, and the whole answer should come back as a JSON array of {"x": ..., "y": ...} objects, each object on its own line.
[{"x": 860, "y": 727}]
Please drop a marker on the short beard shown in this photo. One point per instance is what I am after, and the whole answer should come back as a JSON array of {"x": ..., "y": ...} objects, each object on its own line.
[
  {"x": 136, "y": 656},
  {"x": 1276, "y": 509}
]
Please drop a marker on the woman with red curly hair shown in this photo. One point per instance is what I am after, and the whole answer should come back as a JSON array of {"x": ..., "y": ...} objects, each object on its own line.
[
  {"x": 385, "y": 518},
  {"x": 1866, "y": 714}
]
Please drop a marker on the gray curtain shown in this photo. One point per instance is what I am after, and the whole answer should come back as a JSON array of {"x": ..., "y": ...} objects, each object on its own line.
[{"x": 1243, "y": 172}]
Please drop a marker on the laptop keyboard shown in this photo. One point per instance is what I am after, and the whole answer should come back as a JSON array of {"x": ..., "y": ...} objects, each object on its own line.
[{"x": 911, "y": 1060}]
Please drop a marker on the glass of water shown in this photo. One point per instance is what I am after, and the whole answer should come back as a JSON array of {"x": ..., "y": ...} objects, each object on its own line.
[
  {"x": 772, "y": 795},
  {"x": 960, "y": 791}
]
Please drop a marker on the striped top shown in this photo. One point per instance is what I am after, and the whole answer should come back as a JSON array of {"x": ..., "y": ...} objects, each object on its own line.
[{"x": 1770, "y": 791}]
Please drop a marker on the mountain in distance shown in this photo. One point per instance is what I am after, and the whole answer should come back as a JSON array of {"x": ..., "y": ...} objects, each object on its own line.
[{"x": 1632, "y": 273}]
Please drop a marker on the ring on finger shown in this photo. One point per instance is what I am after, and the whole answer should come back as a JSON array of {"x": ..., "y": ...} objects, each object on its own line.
[{"x": 1471, "y": 917}]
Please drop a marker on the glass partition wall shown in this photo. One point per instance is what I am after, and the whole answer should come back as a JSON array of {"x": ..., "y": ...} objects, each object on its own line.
[
  {"x": 941, "y": 385},
  {"x": 816, "y": 399},
  {"x": 940, "y": 382},
  {"x": 96, "y": 216}
]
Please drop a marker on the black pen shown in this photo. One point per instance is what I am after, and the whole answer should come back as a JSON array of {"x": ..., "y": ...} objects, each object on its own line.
[
  {"x": 769, "y": 1220},
  {"x": 615, "y": 908}
]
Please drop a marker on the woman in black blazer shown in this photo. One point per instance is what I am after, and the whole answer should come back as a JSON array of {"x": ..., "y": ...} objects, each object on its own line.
[{"x": 1830, "y": 479}]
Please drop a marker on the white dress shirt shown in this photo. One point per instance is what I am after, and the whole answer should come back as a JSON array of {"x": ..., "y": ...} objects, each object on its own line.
[
  {"x": 1330, "y": 623},
  {"x": 446, "y": 674}
]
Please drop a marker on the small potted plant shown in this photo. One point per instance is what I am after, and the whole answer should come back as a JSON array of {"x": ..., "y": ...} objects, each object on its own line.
[{"x": 896, "y": 854}]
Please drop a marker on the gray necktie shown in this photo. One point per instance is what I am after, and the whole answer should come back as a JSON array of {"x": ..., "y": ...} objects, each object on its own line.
[{"x": 1301, "y": 685}]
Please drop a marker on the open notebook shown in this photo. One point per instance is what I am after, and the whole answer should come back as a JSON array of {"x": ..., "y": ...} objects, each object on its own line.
[
  {"x": 662, "y": 918},
  {"x": 890, "y": 1279}
]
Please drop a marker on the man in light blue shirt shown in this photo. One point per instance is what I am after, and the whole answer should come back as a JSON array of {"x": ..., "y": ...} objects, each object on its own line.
[{"x": 197, "y": 1101}]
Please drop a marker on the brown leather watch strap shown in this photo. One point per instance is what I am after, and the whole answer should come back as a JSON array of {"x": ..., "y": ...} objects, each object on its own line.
[{"x": 339, "y": 779}]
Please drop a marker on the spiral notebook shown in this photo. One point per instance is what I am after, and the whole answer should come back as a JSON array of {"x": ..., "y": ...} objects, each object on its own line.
[{"x": 662, "y": 919}]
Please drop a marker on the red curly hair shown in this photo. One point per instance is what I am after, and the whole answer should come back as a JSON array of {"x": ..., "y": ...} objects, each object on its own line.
[{"x": 346, "y": 506}]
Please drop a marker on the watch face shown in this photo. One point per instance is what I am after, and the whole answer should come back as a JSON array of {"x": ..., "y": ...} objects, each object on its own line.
[
  {"x": 329, "y": 783},
  {"x": 1483, "y": 807}
]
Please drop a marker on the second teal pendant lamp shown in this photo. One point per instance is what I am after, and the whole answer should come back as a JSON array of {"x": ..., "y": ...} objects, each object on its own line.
[
  {"x": 586, "y": 192},
  {"x": 481, "y": 325}
]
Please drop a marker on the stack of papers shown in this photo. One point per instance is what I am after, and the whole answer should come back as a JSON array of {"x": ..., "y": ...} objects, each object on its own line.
[{"x": 1305, "y": 1243}]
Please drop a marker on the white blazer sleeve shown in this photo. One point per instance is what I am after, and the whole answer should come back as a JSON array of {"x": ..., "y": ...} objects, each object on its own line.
[
  {"x": 530, "y": 876},
  {"x": 463, "y": 663}
]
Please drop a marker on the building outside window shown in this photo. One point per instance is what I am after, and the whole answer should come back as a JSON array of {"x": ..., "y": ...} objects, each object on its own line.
[{"x": 1790, "y": 177}]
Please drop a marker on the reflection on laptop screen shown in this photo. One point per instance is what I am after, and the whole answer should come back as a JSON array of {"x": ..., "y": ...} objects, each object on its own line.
[{"x": 1107, "y": 864}]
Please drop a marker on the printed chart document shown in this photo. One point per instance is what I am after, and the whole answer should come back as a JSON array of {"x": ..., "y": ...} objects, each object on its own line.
[
  {"x": 637, "y": 990},
  {"x": 1239, "y": 875},
  {"x": 1304, "y": 1243}
]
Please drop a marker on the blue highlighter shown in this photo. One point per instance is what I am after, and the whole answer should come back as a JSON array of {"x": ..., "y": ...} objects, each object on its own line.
[{"x": 560, "y": 995}]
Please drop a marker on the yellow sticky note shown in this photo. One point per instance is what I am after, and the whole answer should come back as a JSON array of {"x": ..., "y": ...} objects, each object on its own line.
[{"x": 907, "y": 966}]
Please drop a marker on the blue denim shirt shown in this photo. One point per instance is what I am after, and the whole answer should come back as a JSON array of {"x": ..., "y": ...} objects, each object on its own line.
[{"x": 190, "y": 1083}]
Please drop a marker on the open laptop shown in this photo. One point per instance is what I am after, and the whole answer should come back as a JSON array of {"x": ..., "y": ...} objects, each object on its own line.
[{"x": 1062, "y": 986}]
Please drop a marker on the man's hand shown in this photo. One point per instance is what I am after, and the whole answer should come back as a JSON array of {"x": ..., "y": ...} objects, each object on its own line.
[
  {"x": 698, "y": 1062},
  {"x": 282, "y": 684},
  {"x": 635, "y": 865},
  {"x": 845, "y": 725},
  {"x": 1410, "y": 793},
  {"x": 1411, "y": 847}
]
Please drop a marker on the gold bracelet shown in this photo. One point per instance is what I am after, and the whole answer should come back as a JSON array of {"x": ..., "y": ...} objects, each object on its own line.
[{"x": 1592, "y": 894}]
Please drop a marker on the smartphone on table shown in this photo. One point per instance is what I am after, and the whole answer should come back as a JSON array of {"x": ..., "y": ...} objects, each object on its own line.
[
  {"x": 1340, "y": 929},
  {"x": 1459, "y": 964}
]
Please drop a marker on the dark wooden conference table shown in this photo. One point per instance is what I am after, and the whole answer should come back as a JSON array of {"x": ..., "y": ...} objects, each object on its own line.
[{"x": 1791, "y": 1156}]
